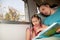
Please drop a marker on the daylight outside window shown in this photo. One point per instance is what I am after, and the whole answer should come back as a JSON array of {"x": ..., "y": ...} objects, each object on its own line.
[{"x": 12, "y": 10}]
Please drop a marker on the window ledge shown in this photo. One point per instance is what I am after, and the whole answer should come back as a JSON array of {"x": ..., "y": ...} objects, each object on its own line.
[{"x": 14, "y": 22}]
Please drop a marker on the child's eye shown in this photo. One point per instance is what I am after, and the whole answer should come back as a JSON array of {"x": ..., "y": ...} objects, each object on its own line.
[{"x": 42, "y": 9}]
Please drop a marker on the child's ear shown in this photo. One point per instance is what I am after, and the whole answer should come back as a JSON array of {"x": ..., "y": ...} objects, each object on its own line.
[
  {"x": 47, "y": 5},
  {"x": 39, "y": 20}
]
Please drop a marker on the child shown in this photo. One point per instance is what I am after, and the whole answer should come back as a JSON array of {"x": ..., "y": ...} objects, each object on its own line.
[{"x": 37, "y": 27}]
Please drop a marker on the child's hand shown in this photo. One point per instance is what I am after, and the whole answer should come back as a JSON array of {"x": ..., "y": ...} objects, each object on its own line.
[{"x": 58, "y": 31}]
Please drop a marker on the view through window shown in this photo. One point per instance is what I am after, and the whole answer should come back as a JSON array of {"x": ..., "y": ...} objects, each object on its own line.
[{"x": 12, "y": 10}]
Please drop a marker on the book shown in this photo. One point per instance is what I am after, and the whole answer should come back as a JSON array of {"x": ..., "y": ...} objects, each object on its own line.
[{"x": 51, "y": 30}]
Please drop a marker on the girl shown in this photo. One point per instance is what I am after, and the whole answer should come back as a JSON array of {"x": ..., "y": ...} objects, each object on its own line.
[{"x": 37, "y": 27}]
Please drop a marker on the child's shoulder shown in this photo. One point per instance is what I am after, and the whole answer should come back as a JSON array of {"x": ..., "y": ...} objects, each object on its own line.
[{"x": 29, "y": 28}]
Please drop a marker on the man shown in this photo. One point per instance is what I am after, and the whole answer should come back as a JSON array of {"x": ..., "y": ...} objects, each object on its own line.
[{"x": 53, "y": 16}]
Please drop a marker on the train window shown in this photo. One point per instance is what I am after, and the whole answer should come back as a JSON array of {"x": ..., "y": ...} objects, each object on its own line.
[{"x": 12, "y": 10}]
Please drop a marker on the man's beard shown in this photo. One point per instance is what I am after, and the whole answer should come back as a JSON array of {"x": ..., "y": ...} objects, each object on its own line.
[{"x": 45, "y": 15}]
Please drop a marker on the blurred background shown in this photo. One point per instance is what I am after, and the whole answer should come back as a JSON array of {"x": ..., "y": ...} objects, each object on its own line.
[{"x": 15, "y": 16}]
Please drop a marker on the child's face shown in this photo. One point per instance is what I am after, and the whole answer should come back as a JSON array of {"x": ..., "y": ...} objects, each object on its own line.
[{"x": 35, "y": 21}]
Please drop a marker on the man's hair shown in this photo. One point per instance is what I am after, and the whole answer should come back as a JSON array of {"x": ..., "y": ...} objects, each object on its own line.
[{"x": 45, "y": 3}]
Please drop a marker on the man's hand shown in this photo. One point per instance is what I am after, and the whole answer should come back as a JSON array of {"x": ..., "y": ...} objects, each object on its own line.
[{"x": 58, "y": 31}]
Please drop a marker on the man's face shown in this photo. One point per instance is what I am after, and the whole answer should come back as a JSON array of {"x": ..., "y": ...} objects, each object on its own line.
[{"x": 45, "y": 9}]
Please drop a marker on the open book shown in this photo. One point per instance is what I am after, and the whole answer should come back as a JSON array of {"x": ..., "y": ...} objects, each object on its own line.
[{"x": 51, "y": 30}]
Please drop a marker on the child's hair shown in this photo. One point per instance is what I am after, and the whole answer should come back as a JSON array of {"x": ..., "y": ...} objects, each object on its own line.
[{"x": 35, "y": 15}]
